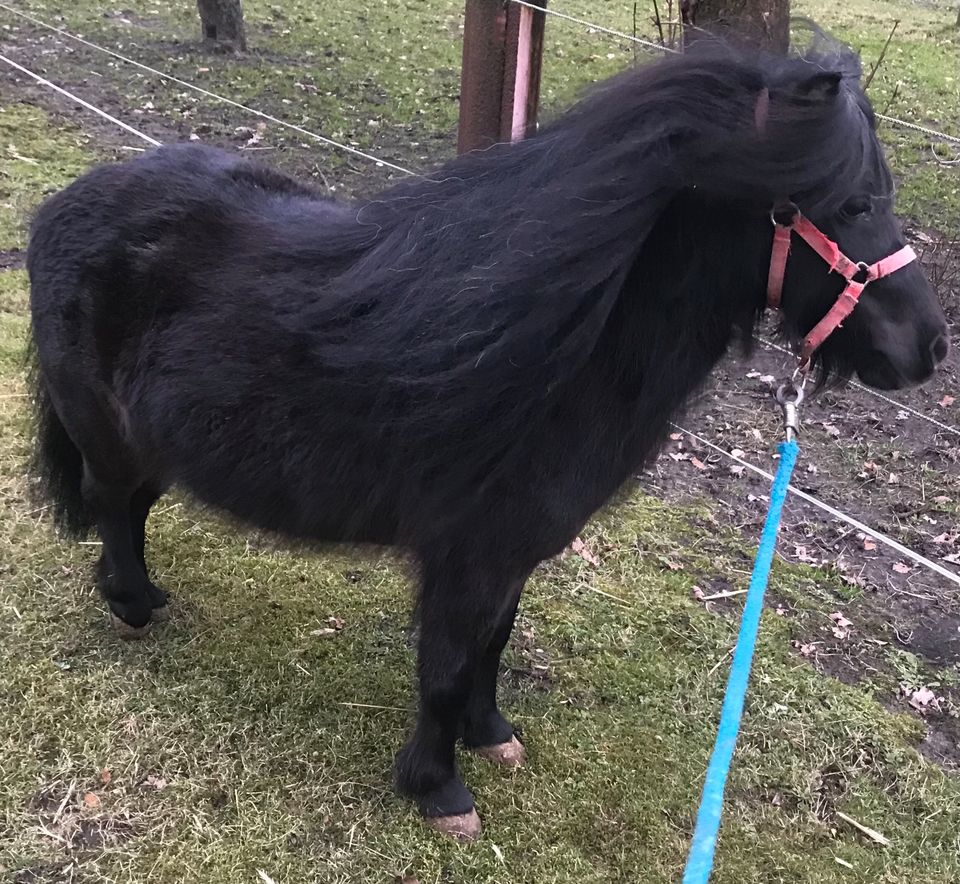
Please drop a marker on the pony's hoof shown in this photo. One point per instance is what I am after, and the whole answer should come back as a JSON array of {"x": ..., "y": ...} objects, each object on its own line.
[
  {"x": 125, "y": 630},
  {"x": 459, "y": 826},
  {"x": 509, "y": 754},
  {"x": 161, "y": 614}
]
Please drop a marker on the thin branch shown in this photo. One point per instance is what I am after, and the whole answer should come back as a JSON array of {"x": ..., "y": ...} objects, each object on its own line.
[
  {"x": 658, "y": 22},
  {"x": 883, "y": 52},
  {"x": 893, "y": 98}
]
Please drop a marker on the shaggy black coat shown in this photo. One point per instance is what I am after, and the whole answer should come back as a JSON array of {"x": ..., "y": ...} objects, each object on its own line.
[{"x": 466, "y": 366}]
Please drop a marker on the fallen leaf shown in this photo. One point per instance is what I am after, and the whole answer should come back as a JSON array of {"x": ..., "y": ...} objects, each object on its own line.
[
  {"x": 326, "y": 632},
  {"x": 105, "y": 777},
  {"x": 336, "y": 623},
  {"x": 679, "y": 456},
  {"x": 841, "y": 625},
  {"x": 946, "y": 402},
  {"x": 869, "y": 545},
  {"x": 676, "y": 437},
  {"x": 737, "y": 452},
  {"x": 91, "y": 800},
  {"x": 946, "y": 538},
  {"x": 582, "y": 550},
  {"x": 257, "y": 136},
  {"x": 924, "y": 700},
  {"x": 901, "y": 568},
  {"x": 804, "y": 556},
  {"x": 953, "y": 558},
  {"x": 406, "y": 879},
  {"x": 155, "y": 782},
  {"x": 737, "y": 470},
  {"x": 832, "y": 430},
  {"x": 698, "y": 593},
  {"x": 699, "y": 464}
]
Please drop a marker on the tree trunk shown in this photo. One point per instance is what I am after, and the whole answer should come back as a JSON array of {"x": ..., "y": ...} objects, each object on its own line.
[
  {"x": 222, "y": 22},
  {"x": 764, "y": 23}
]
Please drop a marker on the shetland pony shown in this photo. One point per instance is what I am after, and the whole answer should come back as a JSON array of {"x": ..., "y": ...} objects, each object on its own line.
[{"x": 466, "y": 366}]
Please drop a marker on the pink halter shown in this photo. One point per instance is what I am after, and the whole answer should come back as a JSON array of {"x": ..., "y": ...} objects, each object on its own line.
[{"x": 857, "y": 274}]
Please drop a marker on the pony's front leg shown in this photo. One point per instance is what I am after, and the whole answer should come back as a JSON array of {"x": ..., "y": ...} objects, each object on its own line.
[
  {"x": 484, "y": 730},
  {"x": 461, "y": 606}
]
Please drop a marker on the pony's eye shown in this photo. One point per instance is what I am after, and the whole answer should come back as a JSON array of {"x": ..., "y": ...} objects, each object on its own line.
[{"x": 856, "y": 206}]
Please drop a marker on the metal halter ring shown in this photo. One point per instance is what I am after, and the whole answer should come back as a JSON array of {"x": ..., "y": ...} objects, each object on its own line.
[
  {"x": 783, "y": 209},
  {"x": 789, "y": 394}
]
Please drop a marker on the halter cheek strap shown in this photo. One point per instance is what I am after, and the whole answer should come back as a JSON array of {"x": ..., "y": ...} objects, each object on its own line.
[{"x": 787, "y": 220}]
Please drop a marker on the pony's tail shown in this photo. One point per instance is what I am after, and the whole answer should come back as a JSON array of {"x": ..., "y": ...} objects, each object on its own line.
[{"x": 56, "y": 463}]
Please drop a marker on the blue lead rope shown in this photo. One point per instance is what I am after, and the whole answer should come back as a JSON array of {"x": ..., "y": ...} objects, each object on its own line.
[{"x": 700, "y": 859}]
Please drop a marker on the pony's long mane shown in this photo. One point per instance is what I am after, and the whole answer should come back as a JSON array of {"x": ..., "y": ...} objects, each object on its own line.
[{"x": 488, "y": 284}]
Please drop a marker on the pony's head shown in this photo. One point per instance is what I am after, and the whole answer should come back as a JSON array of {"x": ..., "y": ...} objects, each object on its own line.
[
  {"x": 807, "y": 136},
  {"x": 897, "y": 334}
]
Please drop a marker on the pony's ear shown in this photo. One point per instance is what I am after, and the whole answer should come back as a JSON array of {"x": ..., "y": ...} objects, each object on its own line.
[{"x": 822, "y": 86}]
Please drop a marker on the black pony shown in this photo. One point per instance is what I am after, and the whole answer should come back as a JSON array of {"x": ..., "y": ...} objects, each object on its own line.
[{"x": 467, "y": 366}]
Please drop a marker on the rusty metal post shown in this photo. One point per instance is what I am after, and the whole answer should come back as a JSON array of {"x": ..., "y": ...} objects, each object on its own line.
[{"x": 500, "y": 77}]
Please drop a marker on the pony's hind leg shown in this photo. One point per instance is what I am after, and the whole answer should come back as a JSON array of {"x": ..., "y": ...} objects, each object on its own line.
[
  {"x": 121, "y": 577},
  {"x": 110, "y": 474},
  {"x": 141, "y": 501}
]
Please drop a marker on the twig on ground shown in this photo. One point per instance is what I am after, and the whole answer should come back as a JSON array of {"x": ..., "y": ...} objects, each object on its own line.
[{"x": 872, "y": 834}]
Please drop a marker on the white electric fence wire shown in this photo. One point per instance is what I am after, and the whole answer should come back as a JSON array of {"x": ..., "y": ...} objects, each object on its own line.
[
  {"x": 904, "y": 551},
  {"x": 78, "y": 100},
  {"x": 229, "y": 101}
]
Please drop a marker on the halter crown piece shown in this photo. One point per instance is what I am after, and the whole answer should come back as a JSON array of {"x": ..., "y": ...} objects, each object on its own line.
[{"x": 787, "y": 220}]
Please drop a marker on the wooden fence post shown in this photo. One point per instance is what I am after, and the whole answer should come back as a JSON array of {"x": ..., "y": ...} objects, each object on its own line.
[{"x": 500, "y": 77}]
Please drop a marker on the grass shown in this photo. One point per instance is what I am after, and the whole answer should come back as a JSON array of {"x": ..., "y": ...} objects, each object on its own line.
[
  {"x": 37, "y": 160},
  {"x": 236, "y": 739}
]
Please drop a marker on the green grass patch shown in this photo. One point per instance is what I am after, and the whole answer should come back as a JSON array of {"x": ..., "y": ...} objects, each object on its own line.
[
  {"x": 237, "y": 739},
  {"x": 38, "y": 158}
]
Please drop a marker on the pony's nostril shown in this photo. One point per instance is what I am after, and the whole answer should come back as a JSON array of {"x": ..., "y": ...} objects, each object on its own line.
[{"x": 940, "y": 348}]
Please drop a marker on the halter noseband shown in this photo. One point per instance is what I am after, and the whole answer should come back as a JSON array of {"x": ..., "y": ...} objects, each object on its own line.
[{"x": 787, "y": 220}]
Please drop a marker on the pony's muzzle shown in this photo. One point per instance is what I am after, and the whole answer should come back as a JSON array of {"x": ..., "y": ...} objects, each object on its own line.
[{"x": 940, "y": 349}]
